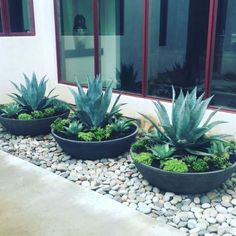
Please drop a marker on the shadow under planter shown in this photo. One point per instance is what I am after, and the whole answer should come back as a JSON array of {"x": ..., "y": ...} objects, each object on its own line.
[
  {"x": 97, "y": 149},
  {"x": 30, "y": 127},
  {"x": 185, "y": 183}
]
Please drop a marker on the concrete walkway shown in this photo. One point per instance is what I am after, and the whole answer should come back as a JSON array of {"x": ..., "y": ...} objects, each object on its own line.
[{"x": 35, "y": 202}]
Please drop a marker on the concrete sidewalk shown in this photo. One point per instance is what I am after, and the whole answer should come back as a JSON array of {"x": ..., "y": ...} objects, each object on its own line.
[{"x": 34, "y": 202}]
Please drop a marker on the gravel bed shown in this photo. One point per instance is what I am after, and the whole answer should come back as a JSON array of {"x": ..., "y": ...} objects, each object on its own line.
[{"x": 213, "y": 213}]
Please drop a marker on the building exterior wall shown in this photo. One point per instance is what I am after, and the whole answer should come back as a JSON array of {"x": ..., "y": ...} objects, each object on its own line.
[{"x": 38, "y": 54}]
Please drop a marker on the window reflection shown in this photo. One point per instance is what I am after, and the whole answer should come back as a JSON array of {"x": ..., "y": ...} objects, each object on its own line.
[
  {"x": 76, "y": 40},
  {"x": 1, "y": 29},
  {"x": 19, "y": 15},
  {"x": 121, "y": 43},
  {"x": 177, "y": 45},
  {"x": 224, "y": 72}
]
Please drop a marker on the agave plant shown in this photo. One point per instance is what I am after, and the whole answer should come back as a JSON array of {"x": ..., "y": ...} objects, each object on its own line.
[
  {"x": 121, "y": 125},
  {"x": 218, "y": 148},
  {"x": 184, "y": 130},
  {"x": 74, "y": 128},
  {"x": 163, "y": 151},
  {"x": 11, "y": 110},
  {"x": 92, "y": 106},
  {"x": 32, "y": 95}
]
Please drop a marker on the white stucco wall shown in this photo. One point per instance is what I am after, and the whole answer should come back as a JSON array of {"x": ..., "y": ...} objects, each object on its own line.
[{"x": 38, "y": 53}]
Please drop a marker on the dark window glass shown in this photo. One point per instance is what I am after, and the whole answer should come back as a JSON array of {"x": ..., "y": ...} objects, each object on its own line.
[
  {"x": 19, "y": 12},
  {"x": 177, "y": 45},
  {"x": 224, "y": 72},
  {"x": 1, "y": 29},
  {"x": 121, "y": 43},
  {"x": 76, "y": 41},
  {"x": 107, "y": 17}
]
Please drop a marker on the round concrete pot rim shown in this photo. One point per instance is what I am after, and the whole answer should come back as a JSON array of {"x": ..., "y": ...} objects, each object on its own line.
[
  {"x": 96, "y": 142},
  {"x": 34, "y": 120},
  {"x": 183, "y": 174}
]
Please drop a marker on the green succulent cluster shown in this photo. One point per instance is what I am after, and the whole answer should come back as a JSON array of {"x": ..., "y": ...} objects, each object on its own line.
[
  {"x": 77, "y": 130},
  {"x": 25, "y": 116},
  {"x": 175, "y": 165},
  {"x": 96, "y": 134},
  {"x": 37, "y": 114},
  {"x": 145, "y": 158},
  {"x": 140, "y": 145},
  {"x": 196, "y": 164},
  {"x": 60, "y": 124}
]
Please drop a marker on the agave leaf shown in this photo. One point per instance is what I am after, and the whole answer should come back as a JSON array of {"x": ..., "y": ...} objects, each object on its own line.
[
  {"x": 200, "y": 110},
  {"x": 192, "y": 98},
  {"x": 84, "y": 118},
  {"x": 51, "y": 92},
  {"x": 182, "y": 123},
  {"x": 162, "y": 113},
  {"x": 219, "y": 137},
  {"x": 211, "y": 116},
  {"x": 176, "y": 106},
  {"x": 213, "y": 124},
  {"x": 27, "y": 80},
  {"x": 154, "y": 125},
  {"x": 197, "y": 153},
  {"x": 116, "y": 102},
  {"x": 16, "y": 86}
]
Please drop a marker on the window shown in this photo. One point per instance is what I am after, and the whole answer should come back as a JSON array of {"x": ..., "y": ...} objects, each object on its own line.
[
  {"x": 76, "y": 41},
  {"x": 146, "y": 46},
  {"x": 16, "y": 18},
  {"x": 223, "y": 85},
  {"x": 1, "y": 21},
  {"x": 121, "y": 43},
  {"x": 177, "y": 45}
]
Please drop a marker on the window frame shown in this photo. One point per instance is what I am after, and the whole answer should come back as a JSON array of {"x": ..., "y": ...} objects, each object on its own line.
[
  {"x": 213, "y": 7},
  {"x": 6, "y": 25}
]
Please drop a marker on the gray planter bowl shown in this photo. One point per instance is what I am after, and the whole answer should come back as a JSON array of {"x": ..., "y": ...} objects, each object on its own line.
[
  {"x": 30, "y": 127},
  {"x": 185, "y": 183},
  {"x": 96, "y": 150}
]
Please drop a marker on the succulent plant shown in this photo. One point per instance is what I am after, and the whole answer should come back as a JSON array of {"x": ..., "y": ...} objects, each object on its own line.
[
  {"x": 59, "y": 105},
  {"x": 74, "y": 128},
  {"x": 200, "y": 165},
  {"x": 11, "y": 110},
  {"x": 162, "y": 151},
  {"x": 32, "y": 95},
  {"x": 184, "y": 131},
  {"x": 25, "y": 116},
  {"x": 145, "y": 158},
  {"x": 92, "y": 106},
  {"x": 175, "y": 165},
  {"x": 86, "y": 136},
  {"x": 121, "y": 125},
  {"x": 37, "y": 114},
  {"x": 48, "y": 112},
  {"x": 60, "y": 124}
]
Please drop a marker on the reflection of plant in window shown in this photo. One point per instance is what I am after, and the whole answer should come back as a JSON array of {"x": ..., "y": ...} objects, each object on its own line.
[
  {"x": 180, "y": 75},
  {"x": 127, "y": 77}
]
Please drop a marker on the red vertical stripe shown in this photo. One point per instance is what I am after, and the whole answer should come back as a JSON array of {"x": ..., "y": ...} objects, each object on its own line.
[
  {"x": 145, "y": 49},
  {"x": 210, "y": 46},
  {"x": 96, "y": 36}
]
